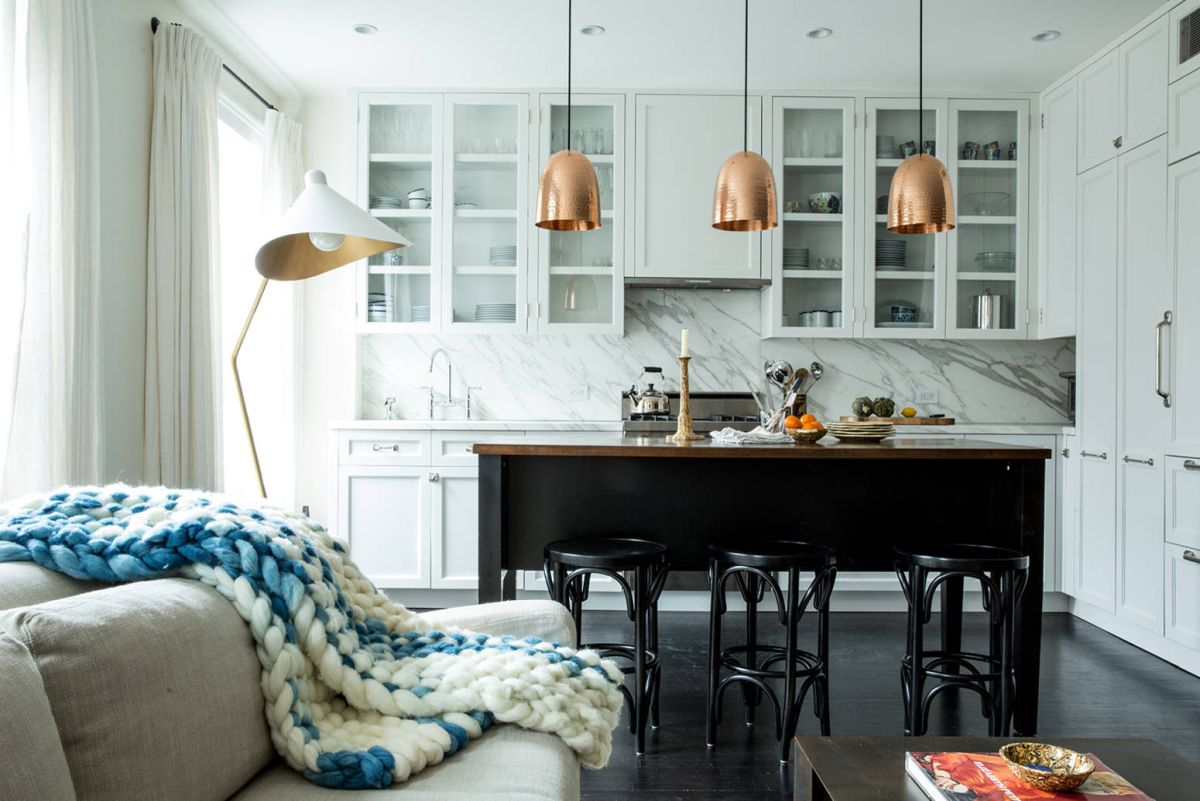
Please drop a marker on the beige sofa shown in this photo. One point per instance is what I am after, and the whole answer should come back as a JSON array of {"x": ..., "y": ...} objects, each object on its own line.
[{"x": 151, "y": 691}]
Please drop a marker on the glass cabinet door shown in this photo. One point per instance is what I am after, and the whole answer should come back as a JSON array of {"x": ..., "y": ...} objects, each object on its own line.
[
  {"x": 812, "y": 250},
  {"x": 905, "y": 273},
  {"x": 988, "y": 168},
  {"x": 580, "y": 273},
  {"x": 486, "y": 212},
  {"x": 400, "y": 176}
]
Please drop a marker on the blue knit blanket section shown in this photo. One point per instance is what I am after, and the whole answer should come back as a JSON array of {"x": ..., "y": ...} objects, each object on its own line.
[{"x": 343, "y": 662}]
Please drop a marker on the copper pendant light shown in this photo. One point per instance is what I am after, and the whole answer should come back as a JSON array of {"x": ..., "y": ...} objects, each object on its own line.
[
  {"x": 568, "y": 192},
  {"x": 921, "y": 200},
  {"x": 745, "y": 198}
]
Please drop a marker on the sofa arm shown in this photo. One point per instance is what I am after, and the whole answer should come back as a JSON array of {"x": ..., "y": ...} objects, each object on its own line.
[{"x": 547, "y": 620}]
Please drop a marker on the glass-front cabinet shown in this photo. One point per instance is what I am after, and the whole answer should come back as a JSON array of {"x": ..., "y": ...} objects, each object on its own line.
[
  {"x": 485, "y": 213},
  {"x": 905, "y": 274},
  {"x": 986, "y": 295},
  {"x": 813, "y": 247},
  {"x": 400, "y": 169},
  {"x": 580, "y": 273}
]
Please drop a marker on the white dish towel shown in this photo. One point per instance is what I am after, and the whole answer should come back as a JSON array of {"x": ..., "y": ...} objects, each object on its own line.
[{"x": 759, "y": 436}]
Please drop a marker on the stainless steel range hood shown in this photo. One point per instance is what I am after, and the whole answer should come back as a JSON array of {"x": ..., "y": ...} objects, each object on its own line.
[{"x": 695, "y": 283}]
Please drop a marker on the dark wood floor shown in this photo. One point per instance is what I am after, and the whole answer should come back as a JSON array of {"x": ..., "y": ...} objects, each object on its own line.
[{"x": 1093, "y": 684}]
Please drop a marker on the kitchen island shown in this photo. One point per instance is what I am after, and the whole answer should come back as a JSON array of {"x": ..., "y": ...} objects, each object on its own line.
[{"x": 860, "y": 499}]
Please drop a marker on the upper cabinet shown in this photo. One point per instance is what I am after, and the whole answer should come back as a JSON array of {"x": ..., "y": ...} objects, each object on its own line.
[
  {"x": 1184, "y": 21},
  {"x": 1057, "y": 273},
  {"x": 812, "y": 253},
  {"x": 904, "y": 288},
  {"x": 988, "y": 166},
  {"x": 580, "y": 273},
  {"x": 680, "y": 142},
  {"x": 1123, "y": 96}
]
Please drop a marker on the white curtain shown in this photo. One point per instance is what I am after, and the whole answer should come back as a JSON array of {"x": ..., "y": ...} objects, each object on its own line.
[
  {"x": 183, "y": 392},
  {"x": 51, "y": 397}
]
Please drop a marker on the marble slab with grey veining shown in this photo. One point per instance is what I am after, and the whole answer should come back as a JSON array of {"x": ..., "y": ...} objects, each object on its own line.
[{"x": 526, "y": 377}]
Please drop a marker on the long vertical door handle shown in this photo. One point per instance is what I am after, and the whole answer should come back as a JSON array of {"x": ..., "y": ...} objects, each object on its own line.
[{"x": 1158, "y": 357}]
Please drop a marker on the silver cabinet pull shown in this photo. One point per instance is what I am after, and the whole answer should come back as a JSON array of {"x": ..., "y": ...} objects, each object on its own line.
[
  {"x": 1191, "y": 465},
  {"x": 1158, "y": 354},
  {"x": 1191, "y": 557},
  {"x": 1133, "y": 460},
  {"x": 1066, "y": 453},
  {"x": 1120, "y": 140},
  {"x": 377, "y": 447},
  {"x": 434, "y": 478},
  {"x": 1091, "y": 455}
]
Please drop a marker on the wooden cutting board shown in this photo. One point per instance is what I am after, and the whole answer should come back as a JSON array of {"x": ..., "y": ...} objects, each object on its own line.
[{"x": 901, "y": 421}]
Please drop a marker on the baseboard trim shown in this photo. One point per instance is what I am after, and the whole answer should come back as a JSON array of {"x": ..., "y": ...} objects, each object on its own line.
[{"x": 1155, "y": 644}]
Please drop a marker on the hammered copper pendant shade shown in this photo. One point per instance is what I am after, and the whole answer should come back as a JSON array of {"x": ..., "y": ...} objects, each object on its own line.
[
  {"x": 921, "y": 200},
  {"x": 568, "y": 194},
  {"x": 745, "y": 199}
]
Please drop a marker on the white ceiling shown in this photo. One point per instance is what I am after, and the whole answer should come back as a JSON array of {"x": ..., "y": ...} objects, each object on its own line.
[{"x": 307, "y": 47}]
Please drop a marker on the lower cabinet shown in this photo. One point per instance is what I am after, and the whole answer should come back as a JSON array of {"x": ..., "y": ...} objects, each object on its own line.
[
  {"x": 1096, "y": 548},
  {"x": 1139, "y": 597},
  {"x": 383, "y": 511},
  {"x": 454, "y": 528},
  {"x": 1068, "y": 510},
  {"x": 1183, "y": 595}
]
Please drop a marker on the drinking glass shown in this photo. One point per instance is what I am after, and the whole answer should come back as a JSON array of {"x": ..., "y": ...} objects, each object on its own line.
[{"x": 806, "y": 145}]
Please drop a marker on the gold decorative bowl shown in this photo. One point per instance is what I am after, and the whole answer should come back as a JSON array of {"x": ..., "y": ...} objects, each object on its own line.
[
  {"x": 805, "y": 435},
  {"x": 1047, "y": 767}
]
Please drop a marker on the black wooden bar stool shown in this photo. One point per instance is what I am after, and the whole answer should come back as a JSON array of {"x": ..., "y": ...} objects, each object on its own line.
[
  {"x": 569, "y": 566},
  {"x": 751, "y": 567},
  {"x": 1002, "y": 575}
]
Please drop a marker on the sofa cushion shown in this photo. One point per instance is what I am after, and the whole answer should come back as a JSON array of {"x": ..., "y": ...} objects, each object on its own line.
[
  {"x": 34, "y": 763},
  {"x": 547, "y": 620},
  {"x": 26, "y": 584},
  {"x": 507, "y": 763},
  {"x": 155, "y": 689}
]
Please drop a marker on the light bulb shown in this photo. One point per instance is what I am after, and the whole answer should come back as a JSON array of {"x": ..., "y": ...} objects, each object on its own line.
[{"x": 326, "y": 242}]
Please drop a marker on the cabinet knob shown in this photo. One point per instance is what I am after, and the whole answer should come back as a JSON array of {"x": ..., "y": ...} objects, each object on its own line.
[
  {"x": 377, "y": 447},
  {"x": 1118, "y": 141},
  {"x": 1066, "y": 453},
  {"x": 434, "y": 478}
]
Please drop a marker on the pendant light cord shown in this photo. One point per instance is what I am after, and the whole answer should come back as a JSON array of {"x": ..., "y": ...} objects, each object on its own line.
[
  {"x": 920, "y": 77},
  {"x": 569, "y": 37},
  {"x": 746, "y": 81}
]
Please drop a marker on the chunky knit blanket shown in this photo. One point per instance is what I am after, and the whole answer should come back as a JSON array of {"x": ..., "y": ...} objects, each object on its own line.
[{"x": 359, "y": 691}]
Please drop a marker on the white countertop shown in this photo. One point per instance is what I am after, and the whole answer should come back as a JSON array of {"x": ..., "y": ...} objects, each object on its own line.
[{"x": 1049, "y": 429}]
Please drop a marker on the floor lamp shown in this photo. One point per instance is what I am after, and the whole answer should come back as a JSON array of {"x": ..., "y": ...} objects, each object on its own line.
[{"x": 320, "y": 232}]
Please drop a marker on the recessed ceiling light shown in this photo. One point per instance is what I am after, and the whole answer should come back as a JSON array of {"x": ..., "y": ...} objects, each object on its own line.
[
  {"x": 592, "y": 30},
  {"x": 366, "y": 29},
  {"x": 1046, "y": 36},
  {"x": 820, "y": 33}
]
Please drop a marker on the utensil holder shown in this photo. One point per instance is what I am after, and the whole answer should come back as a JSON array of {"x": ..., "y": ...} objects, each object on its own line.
[{"x": 683, "y": 425}]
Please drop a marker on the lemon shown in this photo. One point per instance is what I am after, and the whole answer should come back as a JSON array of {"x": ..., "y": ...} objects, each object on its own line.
[{"x": 908, "y": 411}]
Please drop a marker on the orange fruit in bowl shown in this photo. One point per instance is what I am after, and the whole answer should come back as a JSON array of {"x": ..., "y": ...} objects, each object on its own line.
[
  {"x": 809, "y": 425},
  {"x": 808, "y": 418},
  {"x": 792, "y": 421}
]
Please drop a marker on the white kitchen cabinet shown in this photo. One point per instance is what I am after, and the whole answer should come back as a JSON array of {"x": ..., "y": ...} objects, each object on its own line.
[
  {"x": 1143, "y": 421},
  {"x": 1183, "y": 113},
  {"x": 580, "y": 275},
  {"x": 1068, "y": 506},
  {"x": 680, "y": 143},
  {"x": 384, "y": 514},
  {"x": 1185, "y": 49},
  {"x": 1183, "y": 334},
  {"x": 1183, "y": 595},
  {"x": 1057, "y": 278},
  {"x": 1095, "y": 554},
  {"x": 1182, "y": 506},
  {"x": 454, "y": 528},
  {"x": 1099, "y": 111}
]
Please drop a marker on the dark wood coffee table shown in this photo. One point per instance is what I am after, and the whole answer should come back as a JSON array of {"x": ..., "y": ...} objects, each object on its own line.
[{"x": 872, "y": 768}]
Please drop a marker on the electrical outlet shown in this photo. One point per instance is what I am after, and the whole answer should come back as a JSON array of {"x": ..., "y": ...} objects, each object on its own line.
[
  {"x": 577, "y": 392},
  {"x": 926, "y": 395}
]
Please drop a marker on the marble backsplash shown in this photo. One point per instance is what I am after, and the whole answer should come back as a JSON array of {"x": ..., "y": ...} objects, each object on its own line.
[{"x": 524, "y": 377}]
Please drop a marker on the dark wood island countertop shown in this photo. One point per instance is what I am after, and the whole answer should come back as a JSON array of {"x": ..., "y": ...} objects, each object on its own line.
[{"x": 616, "y": 445}]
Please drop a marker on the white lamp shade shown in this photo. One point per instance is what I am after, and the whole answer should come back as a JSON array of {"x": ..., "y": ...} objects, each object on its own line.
[{"x": 290, "y": 255}]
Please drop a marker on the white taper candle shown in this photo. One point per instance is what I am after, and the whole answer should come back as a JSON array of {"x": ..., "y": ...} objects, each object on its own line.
[{"x": 683, "y": 348}]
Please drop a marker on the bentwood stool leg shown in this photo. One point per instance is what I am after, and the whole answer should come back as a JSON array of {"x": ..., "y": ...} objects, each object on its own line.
[
  {"x": 916, "y": 647},
  {"x": 822, "y": 686},
  {"x": 751, "y": 695},
  {"x": 713, "y": 713},
  {"x": 791, "y": 709}
]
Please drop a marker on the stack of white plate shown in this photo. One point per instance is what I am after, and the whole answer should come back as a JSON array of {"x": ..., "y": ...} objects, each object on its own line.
[
  {"x": 502, "y": 255},
  {"x": 890, "y": 253},
  {"x": 496, "y": 313},
  {"x": 866, "y": 431},
  {"x": 795, "y": 258},
  {"x": 388, "y": 202},
  {"x": 420, "y": 314},
  {"x": 380, "y": 307}
]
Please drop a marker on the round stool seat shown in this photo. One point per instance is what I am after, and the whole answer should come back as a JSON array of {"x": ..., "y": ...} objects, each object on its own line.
[
  {"x": 611, "y": 554},
  {"x": 775, "y": 555},
  {"x": 961, "y": 556}
]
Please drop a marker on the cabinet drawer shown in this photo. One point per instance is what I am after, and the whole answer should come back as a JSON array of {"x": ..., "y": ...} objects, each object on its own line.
[
  {"x": 1183, "y": 595},
  {"x": 383, "y": 447},
  {"x": 454, "y": 447},
  {"x": 1183, "y": 111},
  {"x": 1183, "y": 501}
]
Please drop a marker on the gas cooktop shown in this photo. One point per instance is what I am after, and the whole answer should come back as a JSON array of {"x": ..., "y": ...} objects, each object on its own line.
[{"x": 711, "y": 411}]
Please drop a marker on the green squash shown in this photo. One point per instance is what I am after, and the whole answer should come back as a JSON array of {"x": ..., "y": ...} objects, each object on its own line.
[
  {"x": 884, "y": 407},
  {"x": 862, "y": 407}
]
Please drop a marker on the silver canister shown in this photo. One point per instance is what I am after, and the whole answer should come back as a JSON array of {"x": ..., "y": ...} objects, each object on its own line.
[
  {"x": 820, "y": 318},
  {"x": 988, "y": 310}
]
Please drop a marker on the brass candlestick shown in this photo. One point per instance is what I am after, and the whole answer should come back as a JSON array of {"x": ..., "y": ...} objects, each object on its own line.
[{"x": 683, "y": 426}]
